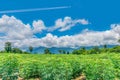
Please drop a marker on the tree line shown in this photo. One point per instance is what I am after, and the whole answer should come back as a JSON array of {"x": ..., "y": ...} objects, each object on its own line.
[
  {"x": 9, "y": 49},
  {"x": 94, "y": 50},
  {"x": 97, "y": 50}
]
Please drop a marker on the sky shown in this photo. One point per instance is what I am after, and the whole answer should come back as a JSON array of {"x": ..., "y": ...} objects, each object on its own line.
[{"x": 59, "y": 23}]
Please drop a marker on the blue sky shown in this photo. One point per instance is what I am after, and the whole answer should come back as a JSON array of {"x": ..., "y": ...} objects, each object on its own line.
[{"x": 80, "y": 17}]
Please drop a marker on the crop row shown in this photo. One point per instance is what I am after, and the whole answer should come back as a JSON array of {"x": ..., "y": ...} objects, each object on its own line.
[{"x": 60, "y": 67}]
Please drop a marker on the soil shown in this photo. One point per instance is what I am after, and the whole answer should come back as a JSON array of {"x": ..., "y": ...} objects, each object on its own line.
[
  {"x": 81, "y": 77},
  {"x": 19, "y": 78}
]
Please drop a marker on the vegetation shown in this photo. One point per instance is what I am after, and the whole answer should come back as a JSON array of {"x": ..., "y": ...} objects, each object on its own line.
[
  {"x": 30, "y": 48},
  {"x": 47, "y": 51},
  {"x": 97, "y": 50},
  {"x": 8, "y": 47},
  {"x": 60, "y": 67},
  {"x": 119, "y": 40},
  {"x": 9, "y": 69},
  {"x": 94, "y": 64},
  {"x": 16, "y": 50},
  {"x": 83, "y": 50}
]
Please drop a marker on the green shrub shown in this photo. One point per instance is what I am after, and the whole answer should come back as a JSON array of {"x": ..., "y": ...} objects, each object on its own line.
[
  {"x": 99, "y": 70},
  {"x": 60, "y": 67},
  {"x": 29, "y": 70},
  {"x": 116, "y": 63},
  {"x": 77, "y": 68},
  {"x": 56, "y": 70},
  {"x": 9, "y": 69}
]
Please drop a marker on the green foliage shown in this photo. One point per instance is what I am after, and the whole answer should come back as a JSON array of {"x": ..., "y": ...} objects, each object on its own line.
[
  {"x": 115, "y": 49},
  {"x": 99, "y": 70},
  {"x": 60, "y": 51},
  {"x": 105, "y": 46},
  {"x": 76, "y": 70},
  {"x": 16, "y": 50},
  {"x": 60, "y": 67},
  {"x": 29, "y": 70},
  {"x": 75, "y": 52},
  {"x": 57, "y": 71},
  {"x": 8, "y": 47},
  {"x": 30, "y": 48},
  {"x": 47, "y": 51},
  {"x": 25, "y": 52},
  {"x": 119, "y": 40},
  {"x": 80, "y": 51},
  {"x": 63, "y": 52},
  {"x": 9, "y": 69},
  {"x": 68, "y": 52},
  {"x": 95, "y": 50},
  {"x": 116, "y": 63}
]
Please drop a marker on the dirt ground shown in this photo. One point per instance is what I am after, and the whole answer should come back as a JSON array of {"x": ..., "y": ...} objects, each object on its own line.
[{"x": 81, "y": 77}]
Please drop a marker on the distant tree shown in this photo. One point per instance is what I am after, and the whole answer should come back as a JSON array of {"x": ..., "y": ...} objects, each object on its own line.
[
  {"x": 105, "y": 46},
  {"x": 80, "y": 51},
  {"x": 64, "y": 52},
  {"x": 25, "y": 52},
  {"x": 104, "y": 49},
  {"x": 83, "y": 48},
  {"x": 47, "y": 51},
  {"x": 95, "y": 50},
  {"x": 8, "y": 47},
  {"x": 68, "y": 52},
  {"x": 115, "y": 49},
  {"x": 30, "y": 48},
  {"x": 16, "y": 50},
  {"x": 76, "y": 52},
  {"x": 60, "y": 51},
  {"x": 119, "y": 40}
]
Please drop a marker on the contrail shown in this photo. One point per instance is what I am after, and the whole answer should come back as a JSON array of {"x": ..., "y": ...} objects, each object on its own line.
[{"x": 35, "y": 9}]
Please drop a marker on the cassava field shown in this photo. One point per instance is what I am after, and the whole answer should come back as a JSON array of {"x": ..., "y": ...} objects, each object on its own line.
[{"x": 59, "y": 67}]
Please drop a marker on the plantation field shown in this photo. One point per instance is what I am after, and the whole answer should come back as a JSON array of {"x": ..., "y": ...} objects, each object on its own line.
[{"x": 60, "y": 66}]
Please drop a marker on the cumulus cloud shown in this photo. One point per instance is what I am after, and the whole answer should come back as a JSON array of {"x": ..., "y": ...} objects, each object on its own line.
[
  {"x": 38, "y": 26},
  {"x": 86, "y": 38},
  {"x": 14, "y": 28},
  {"x": 89, "y": 38},
  {"x": 67, "y": 23},
  {"x": 23, "y": 35},
  {"x": 62, "y": 25}
]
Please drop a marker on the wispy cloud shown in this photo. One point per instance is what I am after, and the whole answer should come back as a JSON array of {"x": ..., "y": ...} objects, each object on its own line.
[
  {"x": 34, "y": 9},
  {"x": 67, "y": 23}
]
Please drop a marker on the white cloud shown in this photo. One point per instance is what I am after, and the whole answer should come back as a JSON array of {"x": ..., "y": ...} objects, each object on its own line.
[
  {"x": 116, "y": 28},
  {"x": 22, "y": 35},
  {"x": 61, "y": 25},
  {"x": 82, "y": 21},
  {"x": 38, "y": 26},
  {"x": 83, "y": 39},
  {"x": 14, "y": 28},
  {"x": 67, "y": 23}
]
